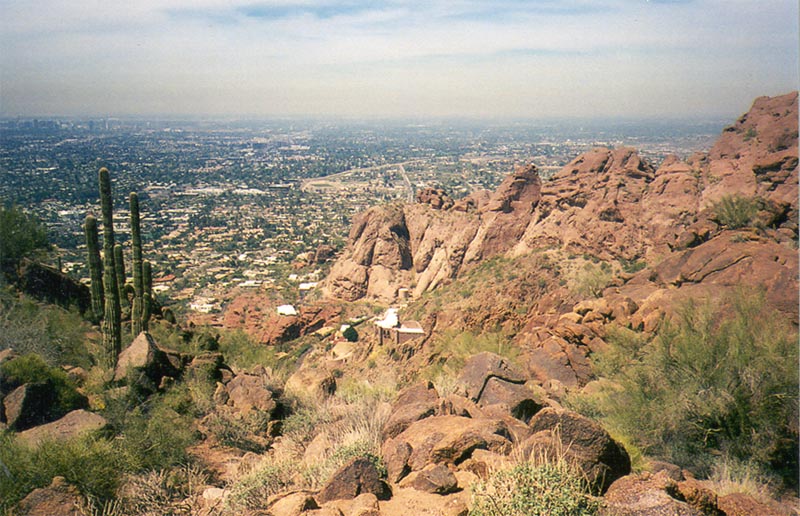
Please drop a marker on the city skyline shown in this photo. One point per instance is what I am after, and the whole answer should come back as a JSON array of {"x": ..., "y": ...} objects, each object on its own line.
[{"x": 512, "y": 58}]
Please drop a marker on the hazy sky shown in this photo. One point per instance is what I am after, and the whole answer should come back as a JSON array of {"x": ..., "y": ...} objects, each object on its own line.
[{"x": 395, "y": 58}]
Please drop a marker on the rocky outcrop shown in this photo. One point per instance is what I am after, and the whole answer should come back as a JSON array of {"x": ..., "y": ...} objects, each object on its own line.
[
  {"x": 489, "y": 380},
  {"x": 609, "y": 203},
  {"x": 257, "y": 316},
  {"x": 52, "y": 286},
  {"x": 429, "y": 243}
]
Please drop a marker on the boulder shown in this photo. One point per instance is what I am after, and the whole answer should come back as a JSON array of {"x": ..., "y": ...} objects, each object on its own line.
[
  {"x": 29, "y": 405},
  {"x": 412, "y": 404},
  {"x": 581, "y": 441},
  {"x": 448, "y": 440},
  {"x": 311, "y": 383},
  {"x": 147, "y": 361},
  {"x": 59, "y": 498},
  {"x": 359, "y": 475},
  {"x": 436, "y": 479},
  {"x": 518, "y": 399},
  {"x": 248, "y": 392},
  {"x": 292, "y": 504},
  {"x": 646, "y": 495},
  {"x": 740, "y": 504},
  {"x": 480, "y": 368},
  {"x": 365, "y": 504},
  {"x": 73, "y": 424}
]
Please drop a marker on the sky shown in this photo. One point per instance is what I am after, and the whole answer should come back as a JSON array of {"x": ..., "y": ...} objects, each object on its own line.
[{"x": 396, "y": 58}]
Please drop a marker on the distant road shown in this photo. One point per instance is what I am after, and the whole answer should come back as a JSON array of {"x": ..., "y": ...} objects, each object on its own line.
[
  {"x": 309, "y": 183},
  {"x": 410, "y": 197}
]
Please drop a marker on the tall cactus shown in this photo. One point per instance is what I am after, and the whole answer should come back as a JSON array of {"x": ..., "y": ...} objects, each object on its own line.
[
  {"x": 95, "y": 266},
  {"x": 137, "y": 310},
  {"x": 112, "y": 331},
  {"x": 119, "y": 269},
  {"x": 147, "y": 298}
]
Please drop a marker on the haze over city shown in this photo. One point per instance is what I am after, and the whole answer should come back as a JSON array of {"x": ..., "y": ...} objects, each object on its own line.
[{"x": 631, "y": 58}]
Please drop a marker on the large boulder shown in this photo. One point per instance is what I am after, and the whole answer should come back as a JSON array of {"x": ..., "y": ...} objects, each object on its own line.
[
  {"x": 480, "y": 368},
  {"x": 448, "y": 440},
  {"x": 412, "y": 404},
  {"x": 29, "y": 405},
  {"x": 247, "y": 392},
  {"x": 489, "y": 379},
  {"x": 436, "y": 478},
  {"x": 146, "y": 361},
  {"x": 358, "y": 476},
  {"x": 73, "y": 424},
  {"x": 740, "y": 504},
  {"x": 646, "y": 495},
  {"x": 580, "y": 441},
  {"x": 311, "y": 383}
]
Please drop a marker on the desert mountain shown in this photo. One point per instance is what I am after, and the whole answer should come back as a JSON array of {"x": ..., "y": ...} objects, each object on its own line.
[{"x": 609, "y": 203}]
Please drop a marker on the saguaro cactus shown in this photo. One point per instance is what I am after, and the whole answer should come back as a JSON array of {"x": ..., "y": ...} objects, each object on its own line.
[
  {"x": 137, "y": 310},
  {"x": 119, "y": 269},
  {"x": 95, "y": 266},
  {"x": 112, "y": 331},
  {"x": 147, "y": 298}
]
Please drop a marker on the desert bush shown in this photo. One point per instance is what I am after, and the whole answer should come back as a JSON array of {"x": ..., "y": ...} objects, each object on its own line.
[
  {"x": 591, "y": 279},
  {"x": 243, "y": 431},
  {"x": 166, "y": 491},
  {"x": 21, "y": 234},
  {"x": 542, "y": 488},
  {"x": 736, "y": 211},
  {"x": 155, "y": 437},
  {"x": 57, "y": 335},
  {"x": 716, "y": 379},
  {"x": 730, "y": 475},
  {"x": 92, "y": 464},
  {"x": 254, "y": 489},
  {"x": 316, "y": 475},
  {"x": 32, "y": 368}
]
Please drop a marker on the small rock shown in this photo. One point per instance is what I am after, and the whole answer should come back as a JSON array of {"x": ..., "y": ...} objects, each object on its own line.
[
  {"x": 435, "y": 479},
  {"x": 293, "y": 504},
  {"x": 354, "y": 478},
  {"x": 59, "y": 499}
]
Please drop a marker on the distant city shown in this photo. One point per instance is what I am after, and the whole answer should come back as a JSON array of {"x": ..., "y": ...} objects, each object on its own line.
[{"x": 235, "y": 205}]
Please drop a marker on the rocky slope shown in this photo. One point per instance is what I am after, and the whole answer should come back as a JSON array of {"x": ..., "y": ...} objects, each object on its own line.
[{"x": 609, "y": 203}]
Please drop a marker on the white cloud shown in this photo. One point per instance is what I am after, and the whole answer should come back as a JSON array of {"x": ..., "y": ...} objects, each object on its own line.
[{"x": 440, "y": 57}]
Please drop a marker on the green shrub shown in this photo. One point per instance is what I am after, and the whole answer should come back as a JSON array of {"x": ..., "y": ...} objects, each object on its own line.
[
  {"x": 736, "y": 211},
  {"x": 590, "y": 280},
  {"x": 57, "y": 335},
  {"x": 350, "y": 334},
  {"x": 32, "y": 368},
  {"x": 155, "y": 439},
  {"x": 244, "y": 431},
  {"x": 528, "y": 489},
  {"x": 253, "y": 490},
  {"x": 717, "y": 380},
  {"x": 93, "y": 465},
  {"x": 21, "y": 235}
]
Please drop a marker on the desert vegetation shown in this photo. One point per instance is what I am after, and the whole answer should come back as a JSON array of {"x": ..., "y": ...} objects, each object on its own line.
[{"x": 715, "y": 390}]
